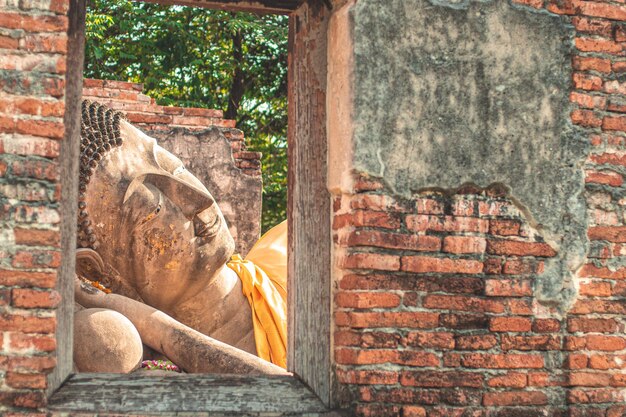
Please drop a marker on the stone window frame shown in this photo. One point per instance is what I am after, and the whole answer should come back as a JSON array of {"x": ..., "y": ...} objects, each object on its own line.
[{"x": 308, "y": 390}]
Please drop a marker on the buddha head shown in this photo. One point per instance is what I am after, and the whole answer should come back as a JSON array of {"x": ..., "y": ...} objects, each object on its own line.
[{"x": 151, "y": 222}]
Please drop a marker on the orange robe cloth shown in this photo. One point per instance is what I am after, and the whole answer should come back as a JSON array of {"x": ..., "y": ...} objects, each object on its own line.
[{"x": 263, "y": 275}]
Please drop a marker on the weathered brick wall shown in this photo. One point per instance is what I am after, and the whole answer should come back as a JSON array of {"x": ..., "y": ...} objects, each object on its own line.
[
  {"x": 209, "y": 146},
  {"x": 435, "y": 312},
  {"x": 32, "y": 66},
  {"x": 434, "y": 306}
]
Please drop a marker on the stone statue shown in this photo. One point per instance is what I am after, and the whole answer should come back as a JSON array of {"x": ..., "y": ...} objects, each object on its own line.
[{"x": 151, "y": 234}]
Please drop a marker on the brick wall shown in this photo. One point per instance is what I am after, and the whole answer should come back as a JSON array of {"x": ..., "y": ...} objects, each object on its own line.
[
  {"x": 434, "y": 306},
  {"x": 197, "y": 137},
  {"x": 32, "y": 86}
]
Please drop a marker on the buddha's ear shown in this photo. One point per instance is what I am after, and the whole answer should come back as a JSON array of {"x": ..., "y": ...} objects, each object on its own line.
[{"x": 89, "y": 264}]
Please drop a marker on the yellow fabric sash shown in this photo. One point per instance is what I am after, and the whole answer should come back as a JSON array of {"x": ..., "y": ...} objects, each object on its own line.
[{"x": 263, "y": 275}]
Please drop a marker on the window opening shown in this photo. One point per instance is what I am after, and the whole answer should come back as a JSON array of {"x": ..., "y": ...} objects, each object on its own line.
[
  {"x": 308, "y": 389},
  {"x": 156, "y": 256}
]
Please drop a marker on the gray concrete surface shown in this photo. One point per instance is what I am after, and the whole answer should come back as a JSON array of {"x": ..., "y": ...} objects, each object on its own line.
[{"x": 451, "y": 92}]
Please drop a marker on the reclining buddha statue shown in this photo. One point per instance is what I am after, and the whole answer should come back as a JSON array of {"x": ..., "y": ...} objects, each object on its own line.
[{"x": 155, "y": 264}]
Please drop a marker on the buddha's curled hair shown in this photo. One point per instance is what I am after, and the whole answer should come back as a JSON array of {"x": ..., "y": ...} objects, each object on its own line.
[{"x": 99, "y": 133}]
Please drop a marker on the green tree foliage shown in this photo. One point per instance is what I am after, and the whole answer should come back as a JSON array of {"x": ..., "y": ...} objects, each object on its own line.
[{"x": 194, "y": 57}]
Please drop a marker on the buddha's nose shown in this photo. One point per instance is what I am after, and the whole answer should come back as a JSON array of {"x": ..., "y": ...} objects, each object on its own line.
[{"x": 190, "y": 199}]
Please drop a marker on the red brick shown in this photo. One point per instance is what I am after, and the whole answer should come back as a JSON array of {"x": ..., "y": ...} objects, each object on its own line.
[
  {"x": 363, "y": 218},
  {"x": 616, "y": 105},
  {"x": 393, "y": 240},
  {"x": 592, "y": 271},
  {"x": 602, "y": 361},
  {"x": 367, "y": 300},
  {"x": 433, "y": 340},
  {"x": 583, "y": 81},
  {"x": 27, "y": 278},
  {"x": 605, "y": 343},
  {"x": 33, "y": 23},
  {"x": 519, "y": 248},
  {"x": 31, "y": 363},
  {"x": 449, "y": 284},
  {"x": 595, "y": 45},
  {"x": 614, "y": 123},
  {"x": 546, "y": 326},
  {"x": 589, "y": 379},
  {"x": 586, "y": 118},
  {"x": 463, "y": 303},
  {"x": 619, "y": 289},
  {"x": 413, "y": 411},
  {"x": 27, "y": 298},
  {"x": 422, "y": 223},
  {"x": 537, "y": 4},
  {"x": 610, "y": 158},
  {"x": 502, "y": 361},
  {"x": 408, "y": 319},
  {"x": 464, "y": 244},
  {"x": 369, "y": 357},
  {"x": 561, "y": 6},
  {"x": 367, "y": 339},
  {"x": 366, "y": 184},
  {"x": 530, "y": 343},
  {"x": 189, "y": 111},
  {"x": 424, "y": 264},
  {"x": 54, "y": 130},
  {"x": 610, "y": 233},
  {"x": 504, "y": 227},
  {"x": 508, "y": 288},
  {"x": 576, "y": 361},
  {"x": 376, "y": 202},
  {"x": 493, "y": 266},
  {"x": 602, "y": 9},
  {"x": 53, "y": 43},
  {"x": 7, "y": 42},
  {"x": 371, "y": 261},
  {"x": 544, "y": 379},
  {"x": 36, "y": 237},
  {"x": 463, "y": 207},
  {"x": 618, "y": 67},
  {"x": 24, "y": 399},
  {"x": 464, "y": 321},
  {"x": 606, "y": 178},
  {"x": 476, "y": 342},
  {"x": 27, "y": 324},
  {"x": 592, "y": 325},
  {"x": 42, "y": 170},
  {"x": 19, "y": 380},
  {"x": 429, "y": 206},
  {"x": 588, "y": 101},
  {"x": 20, "y": 341},
  {"x": 367, "y": 377},
  {"x": 508, "y": 380},
  {"x": 594, "y": 396},
  {"x": 520, "y": 306},
  {"x": 595, "y": 289},
  {"x": 36, "y": 259},
  {"x": 510, "y": 324},
  {"x": 516, "y": 398},
  {"x": 145, "y": 117},
  {"x": 439, "y": 379},
  {"x": 596, "y": 27},
  {"x": 411, "y": 299}
]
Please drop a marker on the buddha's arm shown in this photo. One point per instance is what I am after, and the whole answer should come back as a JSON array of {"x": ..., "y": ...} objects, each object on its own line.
[{"x": 188, "y": 348}]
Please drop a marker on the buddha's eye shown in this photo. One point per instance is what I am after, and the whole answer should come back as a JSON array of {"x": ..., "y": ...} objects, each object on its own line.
[
  {"x": 158, "y": 209},
  {"x": 179, "y": 170}
]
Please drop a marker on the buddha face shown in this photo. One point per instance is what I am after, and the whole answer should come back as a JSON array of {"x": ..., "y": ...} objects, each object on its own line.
[{"x": 155, "y": 223}]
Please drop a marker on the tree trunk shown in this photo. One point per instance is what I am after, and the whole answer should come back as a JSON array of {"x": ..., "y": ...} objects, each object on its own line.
[{"x": 237, "y": 87}]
